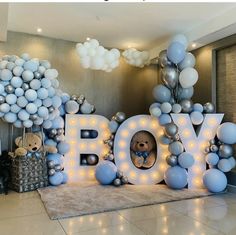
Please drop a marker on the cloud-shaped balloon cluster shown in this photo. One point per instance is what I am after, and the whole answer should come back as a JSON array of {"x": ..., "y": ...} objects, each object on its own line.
[
  {"x": 29, "y": 92},
  {"x": 94, "y": 56},
  {"x": 136, "y": 58}
]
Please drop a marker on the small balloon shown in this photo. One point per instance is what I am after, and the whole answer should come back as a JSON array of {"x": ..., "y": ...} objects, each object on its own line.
[
  {"x": 163, "y": 60},
  {"x": 172, "y": 160},
  {"x": 187, "y": 106},
  {"x": 9, "y": 89},
  {"x": 169, "y": 76},
  {"x": 120, "y": 117},
  {"x": 92, "y": 159},
  {"x": 209, "y": 107},
  {"x": 117, "y": 182},
  {"x": 225, "y": 151},
  {"x": 171, "y": 129}
]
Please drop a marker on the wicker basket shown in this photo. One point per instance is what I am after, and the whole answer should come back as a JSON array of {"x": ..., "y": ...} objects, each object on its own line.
[{"x": 28, "y": 173}]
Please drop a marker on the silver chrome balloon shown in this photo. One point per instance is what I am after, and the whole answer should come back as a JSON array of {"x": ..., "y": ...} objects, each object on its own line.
[
  {"x": 74, "y": 97},
  {"x": 172, "y": 160},
  {"x": 187, "y": 106},
  {"x": 207, "y": 150},
  {"x": 119, "y": 174},
  {"x": 213, "y": 148},
  {"x": 170, "y": 77},
  {"x": 51, "y": 109},
  {"x": 37, "y": 75},
  {"x": 57, "y": 167},
  {"x": 120, "y": 117},
  {"x": 84, "y": 161},
  {"x": 212, "y": 141},
  {"x": 2, "y": 99},
  {"x": 53, "y": 131},
  {"x": 92, "y": 159},
  {"x": 60, "y": 131},
  {"x": 110, "y": 157},
  {"x": 33, "y": 117},
  {"x": 209, "y": 107},
  {"x": 51, "y": 164},
  {"x": 25, "y": 86},
  {"x": 9, "y": 89},
  {"x": 171, "y": 129},
  {"x": 163, "y": 60},
  {"x": 225, "y": 151},
  {"x": 117, "y": 182},
  {"x": 124, "y": 180},
  {"x": 51, "y": 172},
  {"x": 110, "y": 143}
]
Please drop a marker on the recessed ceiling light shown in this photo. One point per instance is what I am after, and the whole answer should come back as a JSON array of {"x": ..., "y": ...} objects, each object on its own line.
[
  {"x": 194, "y": 45},
  {"x": 87, "y": 38},
  {"x": 39, "y": 30}
]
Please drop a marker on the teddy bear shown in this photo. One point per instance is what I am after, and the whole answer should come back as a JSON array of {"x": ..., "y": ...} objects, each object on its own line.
[
  {"x": 143, "y": 150},
  {"x": 32, "y": 143}
]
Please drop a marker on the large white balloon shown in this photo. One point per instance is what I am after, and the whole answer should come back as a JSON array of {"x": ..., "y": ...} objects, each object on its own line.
[{"x": 188, "y": 77}]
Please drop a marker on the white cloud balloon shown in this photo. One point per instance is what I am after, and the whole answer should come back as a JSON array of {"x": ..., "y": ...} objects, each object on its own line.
[
  {"x": 94, "y": 56},
  {"x": 136, "y": 58}
]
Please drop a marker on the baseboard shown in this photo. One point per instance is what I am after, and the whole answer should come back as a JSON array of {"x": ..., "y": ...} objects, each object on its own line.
[{"x": 231, "y": 188}]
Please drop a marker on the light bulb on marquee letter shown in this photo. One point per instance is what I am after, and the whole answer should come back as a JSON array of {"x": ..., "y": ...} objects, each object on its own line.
[
  {"x": 123, "y": 161},
  {"x": 196, "y": 143},
  {"x": 75, "y": 123}
]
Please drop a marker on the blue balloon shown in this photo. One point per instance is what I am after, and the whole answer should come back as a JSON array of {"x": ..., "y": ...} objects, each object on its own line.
[
  {"x": 113, "y": 126},
  {"x": 1, "y": 88},
  {"x": 198, "y": 107},
  {"x": 35, "y": 84},
  {"x": 15, "y": 108},
  {"x": 93, "y": 134},
  {"x": 6, "y": 75},
  {"x": 71, "y": 107},
  {"x": 47, "y": 102},
  {"x": 164, "y": 119},
  {"x": 31, "y": 108},
  {"x": 22, "y": 102},
  {"x": 185, "y": 93},
  {"x": 62, "y": 110},
  {"x": 23, "y": 115},
  {"x": 42, "y": 112},
  {"x": 161, "y": 93},
  {"x": 10, "y": 117},
  {"x": 176, "y": 52},
  {"x": 176, "y": 148},
  {"x": 196, "y": 118},
  {"x": 105, "y": 172},
  {"x": 47, "y": 124},
  {"x": 226, "y": 133},
  {"x": 165, "y": 140},
  {"x": 50, "y": 142},
  {"x": 185, "y": 160},
  {"x": 38, "y": 102},
  {"x": 212, "y": 159},
  {"x": 214, "y": 180},
  {"x": 65, "y": 177},
  {"x": 176, "y": 177},
  {"x": 19, "y": 92},
  {"x": 224, "y": 165},
  {"x": 31, "y": 65},
  {"x": 42, "y": 93},
  {"x": 55, "y": 157},
  {"x": 63, "y": 147},
  {"x": 56, "y": 179},
  {"x": 16, "y": 82},
  {"x": 51, "y": 91},
  {"x": 58, "y": 122},
  {"x": 46, "y": 83},
  {"x": 27, "y": 123},
  {"x": 56, "y": 101},
  {"x": 31, "y": 95},
  {"x": 11, "y": 99},
  {"x": 65, "y": 97}
]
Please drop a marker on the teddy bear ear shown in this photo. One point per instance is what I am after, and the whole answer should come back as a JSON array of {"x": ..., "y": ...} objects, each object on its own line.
[
  {"x": 39, "y": 134},
  {"x": 18, "y": 140}
]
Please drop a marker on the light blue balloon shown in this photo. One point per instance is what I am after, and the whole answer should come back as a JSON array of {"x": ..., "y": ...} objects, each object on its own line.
[
  {"x": 58, "y": 122},
  {"x": 19, "y": 92},
  {"x": 35, "y": 84},
  {"x": 176, "y": 108},
  {"x": 50, "y": 142},
  {"x": 196, "y": 118},
  {"x": 155, "y": 111},
  {"x": 11, "y": 66},
  {"x": 164, "y": 119},
  {"x": 5, "y": 108},
  {"x": 18, "y": 70},
  {"x": 176, "y": 52},
  {"x": 27, "y": 75},
  {"x": 176, "y": 177},
  {"x": 176, "y": 148},
  {"x": 226, "y": 133},
  {"x": 22, "y": 101},
  {"x": 2, "y": 114},
  {"x": 188, "y": 62},
  {"x": 232, "y": 162},
  {"x": 56, "y": 179},
  {"x": 63, "y": 147},
  {"x": 27, "y": 123},
  {"x": 15, "y": 108},
  {"x": 164, "y": 140},
  {"x": 185, "y": 93},
  {"x": 186, "y": 160},
  {"x": 55, "y": 157},
  {"x": 47, "y": 124},
  {"x": 10, "y": 117},
  {"x": 198, "y": 107},
  {"x": 6, "y": 75},
  {"x": 214, "y": 180},
  {"x": 16, "y": 82},
  {"x": 38, "y": 103},
  {"x": 46, "y": 83},
  {"x": 38, "y": 121},
  {"x": 65, "y": 97},
  {"x": 212, "y": 159},
  {"x": 31, "y": 95},
  {"x": 71, "y": 107},
  {"x": 11, "y": 99},
  {"x": 18, "y": 124},
  {"x": 47, "y": 102},
  {"x": 166, "y": 107},
  {"x": 224, "y": 165},
  {"x": 56, "y": 101},
  {"x": 113, "y": 126},
  {"x": 31, "y": 108},
  {"x": 62, "y": 110},
  {"x": 161, "y": 93},
  {"x": 19, "y": 62},
  {"x": 42, "y": 112},
  {"x": 31, "y": 65},
  {"x": 1, "y": 88},
  {"x": 45, "y": 63},
  {"x": 23, "y": 115},
  {"x": 86, "y": 108},
  {"x": 105, "y": 172},
  {"x": 65, "y": 177},
  {"x": 51, "y": 91},
  {"x": 25, "y": 56},
  {"x": 42, "y": 93}
]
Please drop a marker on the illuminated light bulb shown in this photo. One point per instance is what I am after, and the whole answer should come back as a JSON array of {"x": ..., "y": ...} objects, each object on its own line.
[
  {"x": 132, "y": 125},
  {"x": 143, "y": 122},
  {"x": 121, "y": 228},
  {"x": 105, "y": 151},
  {"x": 165, "y": 230},
  {"x": 143, "y": 178},
  {"x": 71, "y": 173},
  {"x": 72, "y": 153},
  {"x": 160, "y": 133},
  {"x": 191, "y": 144},
  {"x": 163, "y": 208},
  {"x": 81, "y": 220},
  {"x": 82, "y": 121},
  {"x": 124, "y": 133},
  {"x": 72, "y": 163},
  {"x": 122, "y": 155},
  {"x": 197, "y": 182},
  {"x": 155, "y": 175},
  {"x": 72, "y": 122},
  {"x": 204, "y": 145},
  {"x": 125, "y": 166},
  {"x": 106, "y": 134},
  {"x": 72, "y": 142},
  {"x": 104, "y": 125},
  {"x": 91, "y": 173},
  {"x": 212, "y": 121},
  {"x": 162, "y": 166},
  {"x": 207, "y": 134},
  {"x": 100, "y": 223},
  {"x": 154, "y": 124},
  {"x": 104, "y": 230},
  {"x": 132, "y": 174},
  {"x": 39, "y": 30},
  {"x": 82, "y": 146},
  {"x": 164, "y": 219},
  {"x": 122, "y": 144},
  {"x": 91, "y": 219},
  {"x": 92, "y": 146},
  {"x": 182, "y": 121},
  {"x": 197, "y": 169},
  {"x": 93, "y": 122},
  {"x": 186, "y": 133},
  {"x": 72, "y": 133},
  {"x": 81, "y": 173}
]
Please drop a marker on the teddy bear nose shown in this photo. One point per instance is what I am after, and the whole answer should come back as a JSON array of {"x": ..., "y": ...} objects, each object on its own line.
[
  {"x": 34, "y": 148},
  {"x": 141, "y": 145}
]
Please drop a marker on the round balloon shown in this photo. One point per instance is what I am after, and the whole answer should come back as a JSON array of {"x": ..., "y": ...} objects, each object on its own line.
[
  {"x": 176, "y": 52},
  {"x": 188, "y": 77},
  {"x": 226, "y": 133},
  {"x": 161, "y": 93},
  {"x": 212, "y": 159},
  {"x": 186, "y": 160}
]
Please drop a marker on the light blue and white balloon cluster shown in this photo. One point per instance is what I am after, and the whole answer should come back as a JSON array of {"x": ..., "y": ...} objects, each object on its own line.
[
  {"x": 28, "y": 91},
  {"x": 136, "y": 58},
  {"x": 220, "y": 157},
  {"x": 94, "y": 56}
]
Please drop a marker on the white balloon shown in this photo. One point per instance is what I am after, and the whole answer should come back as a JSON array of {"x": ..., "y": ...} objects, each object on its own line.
[
  {"x": 91, "y": 52},
  {"x": 109, "y": 57},
  {"x": 100, "y": 51},
  {"x": 115, "y": 52},
  {"x": 94, "y": 43},
  {"x": 188, "y": 77},
  {"x": 82, "y": 51}
]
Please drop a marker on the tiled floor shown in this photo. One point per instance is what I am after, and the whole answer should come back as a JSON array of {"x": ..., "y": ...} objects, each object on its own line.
[{"x": 24, "y": 214}]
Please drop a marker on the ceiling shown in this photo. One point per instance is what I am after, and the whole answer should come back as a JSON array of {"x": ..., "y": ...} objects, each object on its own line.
[{"x": 119, "y": 25}]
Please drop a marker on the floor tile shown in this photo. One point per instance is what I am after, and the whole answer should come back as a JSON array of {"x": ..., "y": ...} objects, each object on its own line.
[
  {"x": 20, "y": 207},
  {"x": 174, "y": 224},
  {"x": 19, "y": 196},
  {"x": 124, "y": 229},
  {"x": 90, "y": 222},
  {"x": 38, "y": 224},
  {"x": 226, "y": 198}
]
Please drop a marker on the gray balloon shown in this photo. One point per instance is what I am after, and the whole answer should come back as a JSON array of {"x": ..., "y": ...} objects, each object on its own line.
[
  {"x": 92, "y": 159},
  {"x": 51, "y": 164},
  {"x": 188, "y": 62},
  {"x": 170, "y": 77},
  {"x": 117, "y": 182},
  {"x": 9, "y": 89},
  {"x": 51, "y": 172},
  {"x": 171, "y": 129},
  {"x": 214, "y": 148},
  {"x": 187, "y": 106},
  {"x": 124, "y": 180},
  {"x": 207, "y": 150},
  {"x": 212, "y": 141},
  {"x": 110, "y": 157},
  {"x": 163, "y": 60},
  {"x": 57, "y": 167},
  {"x": 85, "y": 134},
  {"x": 165, "y": 140},
  {"x": 119, "y": 174},
  {"x": 172, "y": 160},
  {"x": 33, "y": 117},
  {"x": 60, "y": 131},
  {"x": 110, "y": 143},
  {"x": 74, "y": 97},
  {"x": 53, "y": 131},
  {"x": 2, "y": 99},
  {"x": 225, "y": 151},
  {"x": 25, "y": 86},
  {"x": 57, "y": 138},
  {"x": 209, "y": 107},
  {"x": 161, "y": 93},
  {"x": 185, "y": 93},
  {"x": 51, "y": 109},
  {"x": 120, "y": 117},
  {"x": 37, "y": 75}
]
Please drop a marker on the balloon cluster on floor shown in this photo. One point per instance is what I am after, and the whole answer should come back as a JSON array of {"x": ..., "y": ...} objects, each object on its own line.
[
  {"x": 174, "y": 96},
  {"x": 106, "y": 171}
]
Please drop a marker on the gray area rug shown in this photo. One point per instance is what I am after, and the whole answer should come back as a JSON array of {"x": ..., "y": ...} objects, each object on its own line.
[{"x": 77, "y": 199}]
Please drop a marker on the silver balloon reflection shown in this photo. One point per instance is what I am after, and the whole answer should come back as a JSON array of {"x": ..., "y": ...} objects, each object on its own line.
[
  {"x": 169, "y": 76},
  {"x": 92, "y": 159},
  {"x": 171, "y": 129},
  {"x": 51, "y": 164},
  {"x": 213, "y": 148},
  {"x": 119, "y": 174},
  {"x": 172, "y": 160},
  {"x": 209, "y": 107},
  {"x": 85, "y": 134},
  {"x": 51, "y": 172},
  {"x": 9, "y": 89},
  {"x": 37, "y": 75},
  {"x": 25, "y": 86},
  {"x": 74, "y": 97},
  {"x": 225, "y": 151},
  {"x": 2, "y": 99},
  {"x": 163, "y": 60},
  {"x": 53, "y": 131},
  {"x": 187, "y": 106},
  {"x": 120, "y": 117},
  {"x": 84, "y": 161},
  {"x": 124, "y": 180},
  {"x": 51, "y": 109},
  {"x": 60, "y": 131},
  {"x": 57, "y": 167},
  {"x": 117, "y": 182}
]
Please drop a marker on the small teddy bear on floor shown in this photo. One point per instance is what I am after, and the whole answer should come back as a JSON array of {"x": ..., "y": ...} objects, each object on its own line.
[
  {"x": 32, "y": 143},
  {"x": 143, "y": 150}
]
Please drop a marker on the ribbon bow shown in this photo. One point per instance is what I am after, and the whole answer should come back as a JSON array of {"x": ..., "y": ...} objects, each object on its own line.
[{"x": 143, "y": 154}]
